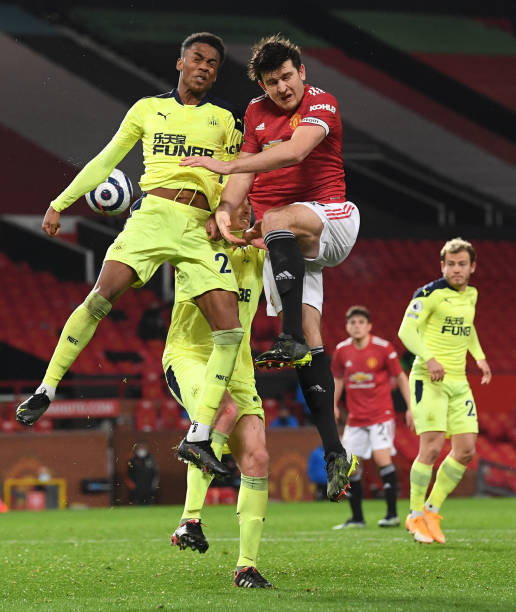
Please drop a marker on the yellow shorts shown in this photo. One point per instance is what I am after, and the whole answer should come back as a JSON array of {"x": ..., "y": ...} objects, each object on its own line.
[
  {"x": 160, "y": 231},
  {"x": 447, "y": 406},
  {"x": 185, "y": 371}
]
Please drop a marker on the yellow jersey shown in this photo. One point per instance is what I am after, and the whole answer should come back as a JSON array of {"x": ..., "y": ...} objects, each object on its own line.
[
  {"x": 439, "y": 323},
  {"x": 169, "y": 130}
]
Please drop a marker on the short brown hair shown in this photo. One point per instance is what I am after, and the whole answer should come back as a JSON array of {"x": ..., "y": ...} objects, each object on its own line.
[
  {"x": 361, "y": 311},
  {"x": 456, "y": 245},
  {"x": 270, "y": 53}
]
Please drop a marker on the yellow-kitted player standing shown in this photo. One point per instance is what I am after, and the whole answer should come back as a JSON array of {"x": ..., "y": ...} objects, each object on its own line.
[
  {"x": 438, "y": 327},
  {"x": 188, "y": 347},
  {"x": 166, "y": 224}
]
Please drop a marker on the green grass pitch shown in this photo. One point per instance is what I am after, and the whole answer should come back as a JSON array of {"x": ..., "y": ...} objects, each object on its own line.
[{"x": 112, "y": 559}]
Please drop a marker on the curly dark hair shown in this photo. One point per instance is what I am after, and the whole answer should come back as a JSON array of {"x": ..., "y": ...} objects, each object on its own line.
[
  {"x": 270, "y": 53},
  {"x": 204, "y": 37}
]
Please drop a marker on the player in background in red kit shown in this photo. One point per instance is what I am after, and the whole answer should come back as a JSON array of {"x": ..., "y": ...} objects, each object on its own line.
[
  {"x": 291, "y": 166},
  {"x": 364, "y": 365}
]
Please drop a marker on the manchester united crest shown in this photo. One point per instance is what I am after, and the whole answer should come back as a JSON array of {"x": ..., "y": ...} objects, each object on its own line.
[
  {"x": 294, "y": 121},
  {"x": 372, "y": 362}
]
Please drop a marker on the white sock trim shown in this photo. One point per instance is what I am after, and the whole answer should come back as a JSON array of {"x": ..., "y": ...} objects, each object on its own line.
[
  {"x": 50, "y": 391},
  {"x": 198, "y": 432}
]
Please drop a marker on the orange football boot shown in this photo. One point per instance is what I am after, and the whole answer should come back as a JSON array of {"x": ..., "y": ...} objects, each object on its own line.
[
  {"x": 433, "y": 520},
  {"x": 418, "y": 529}
]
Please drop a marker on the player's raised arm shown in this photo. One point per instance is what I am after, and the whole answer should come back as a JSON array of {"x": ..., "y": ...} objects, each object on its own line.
[
  {"x": 93, "y": 173},
  {"x": 304, "y": 139},
  {"x": 96, "y": 170}
]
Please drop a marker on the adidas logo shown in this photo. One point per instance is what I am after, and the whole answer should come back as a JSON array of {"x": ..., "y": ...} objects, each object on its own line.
[
  {"x": 260, "y": 127},
  {"x": 285, "y": 275},
  {"x": 317, "y": 389}
]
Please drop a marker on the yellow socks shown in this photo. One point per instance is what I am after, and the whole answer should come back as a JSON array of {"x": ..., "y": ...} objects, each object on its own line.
[
  {"x": 420, "y": 476},
  {"x": 198, "y": 482},
  {"x": 218, "y": 372},
  {"x": 449, "y": 475},
  {"x": 251, "y": 508},
  {"x": 76, "y": 334}
]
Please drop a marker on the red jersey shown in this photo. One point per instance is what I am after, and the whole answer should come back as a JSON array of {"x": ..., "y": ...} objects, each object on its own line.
[
  {"x": 320, "y": 176},
  {"x": 366, "y": 373}
]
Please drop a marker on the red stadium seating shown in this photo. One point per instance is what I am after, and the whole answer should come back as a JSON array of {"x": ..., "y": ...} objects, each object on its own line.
[
  {"x": 145, "y": 417},
  {"x": 382, "y": 274},
  {"x": 43, "y": 305},
  {"x": 170, "y": 414}
]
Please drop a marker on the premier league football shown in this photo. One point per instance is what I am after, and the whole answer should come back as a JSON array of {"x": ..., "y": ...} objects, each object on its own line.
[{"x": 112, "y": 196}]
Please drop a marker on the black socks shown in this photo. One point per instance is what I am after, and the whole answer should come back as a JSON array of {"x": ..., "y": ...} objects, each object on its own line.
[
  {"x": 318, "y": 388},
  {"x": 288, "y": 267}
]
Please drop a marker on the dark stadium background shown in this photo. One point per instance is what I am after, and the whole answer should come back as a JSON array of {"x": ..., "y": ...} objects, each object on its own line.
[{"x": 427, "y": 96}]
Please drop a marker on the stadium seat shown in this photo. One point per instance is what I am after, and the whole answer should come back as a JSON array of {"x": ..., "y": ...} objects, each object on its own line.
[
  {"x": 170, "y": 414},
  {"x": 145, "y": 417},
  {"x": 153, "y": 385}
]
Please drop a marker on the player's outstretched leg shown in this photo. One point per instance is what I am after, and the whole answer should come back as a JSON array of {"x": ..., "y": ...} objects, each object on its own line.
[
  {"x": 76, "y": 334},
  {"x": 196, "y": 447},
  {"x": 115, "y": 277}
]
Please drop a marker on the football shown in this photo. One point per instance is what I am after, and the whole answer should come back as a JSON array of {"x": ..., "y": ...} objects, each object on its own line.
[{"x": 113, "y": 196}]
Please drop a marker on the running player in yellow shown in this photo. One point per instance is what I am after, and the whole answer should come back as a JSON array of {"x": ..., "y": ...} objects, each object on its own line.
[
  {"x": 439, "y": 329},
  {"x": 166, "y": 224},
  {"x": 188, "y": 348}
]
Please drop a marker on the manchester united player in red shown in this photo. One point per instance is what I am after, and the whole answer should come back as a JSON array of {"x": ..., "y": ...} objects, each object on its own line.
[
  {"x": 364, "y": 365},
  {"x": 291, "y": 167}
]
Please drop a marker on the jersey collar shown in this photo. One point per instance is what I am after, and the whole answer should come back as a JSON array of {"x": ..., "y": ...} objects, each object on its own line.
[
  {"x": 447, "y": 284},
  {"x": 175, "y": 94}
]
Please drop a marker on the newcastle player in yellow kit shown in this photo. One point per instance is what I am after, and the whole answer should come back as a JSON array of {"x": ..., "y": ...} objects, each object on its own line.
[
  {"x": 438, "y": 327},
  {"x": 166, "y": 224},
  {"x": 188, "y": 348}
]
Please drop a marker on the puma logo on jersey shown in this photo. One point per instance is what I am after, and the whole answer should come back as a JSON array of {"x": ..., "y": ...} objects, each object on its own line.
[{"x": 163, "y": 115}]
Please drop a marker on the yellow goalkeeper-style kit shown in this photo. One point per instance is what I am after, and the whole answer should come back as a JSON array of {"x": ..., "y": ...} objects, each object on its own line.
[
  {"x": 160, "y": 230},
  {"x": 439, "y": 324},
  {"x": 189, "y": 340}
]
